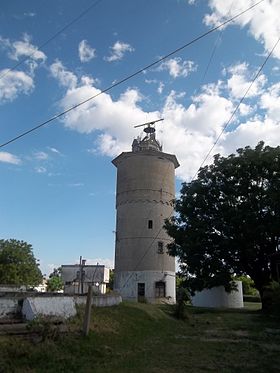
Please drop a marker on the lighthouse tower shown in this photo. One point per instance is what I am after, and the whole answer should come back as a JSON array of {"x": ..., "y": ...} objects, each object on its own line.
[{"x": 145, "y": 191}]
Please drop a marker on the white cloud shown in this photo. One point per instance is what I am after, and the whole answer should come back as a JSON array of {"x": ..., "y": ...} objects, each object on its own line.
[
  {"x": 188, "y": 131},
  {"x": 9, "y": 158},
  {"x": 262, "y": 21},
  {"x": 109, "y": 263},
  {"x": 245, "y": 109},
  {"x": 40, "y": 170},
  {"x": 54, "y": 150},
  {"x": 270, "y": 101},
  {"x": 177, "y": 67},
  {"x": 114, "y": 118},
  {"x": 250, "y": 133},
  {"x": 160, "y": 87},
  {"x": 4, "y": 43},
  {"x": 241, "y": 79},
  {"x": 193, "y": 129},
  {"x": 13, "y": 83},
  {"x": 118, "y": 50},
  {"x": 86, "y": 52},
  {"x": 29, "y": 14},
  {"x": 76, "y": 185},
  {"x": 66, "y": 78},
  {"x": 24, "y": 48},
  {"x": 41, "y": 156}
]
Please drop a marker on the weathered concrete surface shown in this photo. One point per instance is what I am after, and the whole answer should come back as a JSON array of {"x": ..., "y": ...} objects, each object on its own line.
[
  {"x": 9, "y": 307},
  {"x": 145, "y": 194},
  {"x": 12, "y": 288},
  {"x": 217, "y": 297},
  {"x": 63, "y": 307},
  {"x": 30, "y": 305},
  {"x": 127, "y": 282},
  {"x": 101, "y": 301}
]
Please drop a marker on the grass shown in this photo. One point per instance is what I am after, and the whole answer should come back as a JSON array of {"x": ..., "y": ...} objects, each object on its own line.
[{"x": 146, "y": 338}]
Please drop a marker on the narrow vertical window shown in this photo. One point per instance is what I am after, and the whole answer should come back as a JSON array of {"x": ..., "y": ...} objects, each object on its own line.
[
  {"x": 160, "y": 247},
  {"x": 150, "y": 224}
]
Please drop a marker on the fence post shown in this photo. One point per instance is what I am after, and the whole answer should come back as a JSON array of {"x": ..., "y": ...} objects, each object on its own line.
[{"x": 88, "y": 311}]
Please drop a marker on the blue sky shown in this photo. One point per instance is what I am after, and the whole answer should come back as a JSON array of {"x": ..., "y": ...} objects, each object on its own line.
[{"x": 58, "y": 184}]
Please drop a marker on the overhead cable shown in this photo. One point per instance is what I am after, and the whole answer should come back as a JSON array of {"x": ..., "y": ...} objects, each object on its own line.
[
  {"x": 51, "y": 38},
  {"x": 129, "y": 76},
  {"x": 216, "y": 141},
  {"x": 237, "y": 106}
]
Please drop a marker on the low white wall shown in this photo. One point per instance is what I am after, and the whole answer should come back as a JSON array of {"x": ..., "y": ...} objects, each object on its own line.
[
  {"x": 57, "y": 306},
  {"x": 12, "y": 288},
  {"x": 63, "y": 307},
  {"x": 217, "y": 297},
  {"x": 8, "y": 307}
]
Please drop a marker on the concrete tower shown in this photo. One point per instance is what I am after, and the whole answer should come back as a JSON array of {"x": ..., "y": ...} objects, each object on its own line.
[{"x": 145, "y": 190}]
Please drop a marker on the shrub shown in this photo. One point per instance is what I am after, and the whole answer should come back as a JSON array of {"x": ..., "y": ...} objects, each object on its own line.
[
  {"x": 271, "y": 298},
  {"x": 248, "y": 285},
  {"x": 180, "y": 311}
]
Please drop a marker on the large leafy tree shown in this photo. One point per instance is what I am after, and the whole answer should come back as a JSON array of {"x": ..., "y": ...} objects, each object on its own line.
[
  {"x": 18, "y": 266},
  {"x": 55, "y": 282},
  {"x": 227, "y": 221}
]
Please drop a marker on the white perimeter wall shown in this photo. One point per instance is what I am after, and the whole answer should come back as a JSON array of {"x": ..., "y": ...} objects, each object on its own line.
[{"x": 218, "y": 297}]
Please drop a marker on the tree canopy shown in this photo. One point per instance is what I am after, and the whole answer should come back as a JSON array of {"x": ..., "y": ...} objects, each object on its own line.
[
  {"x": 18, "y": 266},
  {"x": 55, "y": 282},
  {"x": 227, "y": 221}
]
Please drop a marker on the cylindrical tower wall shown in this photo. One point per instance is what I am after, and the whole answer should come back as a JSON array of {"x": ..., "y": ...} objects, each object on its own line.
[{"x": 145, "y": 193}]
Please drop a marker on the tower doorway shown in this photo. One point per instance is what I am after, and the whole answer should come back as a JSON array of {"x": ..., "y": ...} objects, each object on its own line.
[{"x": 141, "y": 292}]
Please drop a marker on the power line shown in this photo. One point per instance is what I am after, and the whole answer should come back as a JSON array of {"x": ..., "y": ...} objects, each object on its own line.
[
  {"x": 130, "y": 76},
  {"x": 216, "y": 141},
  {"x": 52, "y": 37},
  {"x": 237, "y": 107}
]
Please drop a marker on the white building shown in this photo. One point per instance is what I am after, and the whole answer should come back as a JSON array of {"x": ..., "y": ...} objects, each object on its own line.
[
  {"x": 77, "y": 278},
  {"x": 145, "y": 194}
]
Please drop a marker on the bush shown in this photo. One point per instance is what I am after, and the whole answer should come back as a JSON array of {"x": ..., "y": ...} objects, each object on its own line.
[
  {"x": 45, "y": 327},
  {"x": 248, "y": 285},
  {"x": 252, "y": 298},
  {"x": 271, "y": 298},
  {"x": 180, "y": 311}
]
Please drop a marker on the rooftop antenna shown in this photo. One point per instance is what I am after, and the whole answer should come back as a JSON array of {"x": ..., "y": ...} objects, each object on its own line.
[{"x": 149, "y": 129}]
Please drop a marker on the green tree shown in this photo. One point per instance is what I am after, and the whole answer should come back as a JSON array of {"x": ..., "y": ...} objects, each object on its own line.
[
  {"x": 55, "y": 282},
  {"x": 228, "y": 220},
  {"x": 248, "y": 285},
  {"x": 111, "y": 280},
  {"x": 18, "y": 266}
]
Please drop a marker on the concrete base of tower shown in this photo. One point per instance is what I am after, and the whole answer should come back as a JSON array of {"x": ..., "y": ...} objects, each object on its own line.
[{"x": 150, "y": 286}]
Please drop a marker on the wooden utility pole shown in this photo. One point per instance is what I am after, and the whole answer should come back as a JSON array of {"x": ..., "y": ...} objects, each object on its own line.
[{"x": 88, "y": 311}]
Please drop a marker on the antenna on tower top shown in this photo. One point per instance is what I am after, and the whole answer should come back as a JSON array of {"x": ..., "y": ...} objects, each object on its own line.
[{"x": 149, "y": 129}]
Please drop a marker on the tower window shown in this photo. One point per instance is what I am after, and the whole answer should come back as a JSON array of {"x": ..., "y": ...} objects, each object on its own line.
[
  {"x": 160, "y": 247},
  {"x": 150, "y": 224},
  {"x": 160, "y": 289}
]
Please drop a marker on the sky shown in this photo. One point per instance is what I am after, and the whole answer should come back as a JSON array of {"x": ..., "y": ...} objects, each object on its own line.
[{"x": 57, "y": 188}]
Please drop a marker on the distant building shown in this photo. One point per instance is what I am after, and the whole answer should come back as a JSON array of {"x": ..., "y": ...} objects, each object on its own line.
[
  {"x": 145, "y": 194},
  {"x": 42, "y": 288},
  {"x": 77, "y": 277}
]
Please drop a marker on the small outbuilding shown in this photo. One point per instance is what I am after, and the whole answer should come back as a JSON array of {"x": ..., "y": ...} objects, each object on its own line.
[{"x": 77, "y": 278}]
